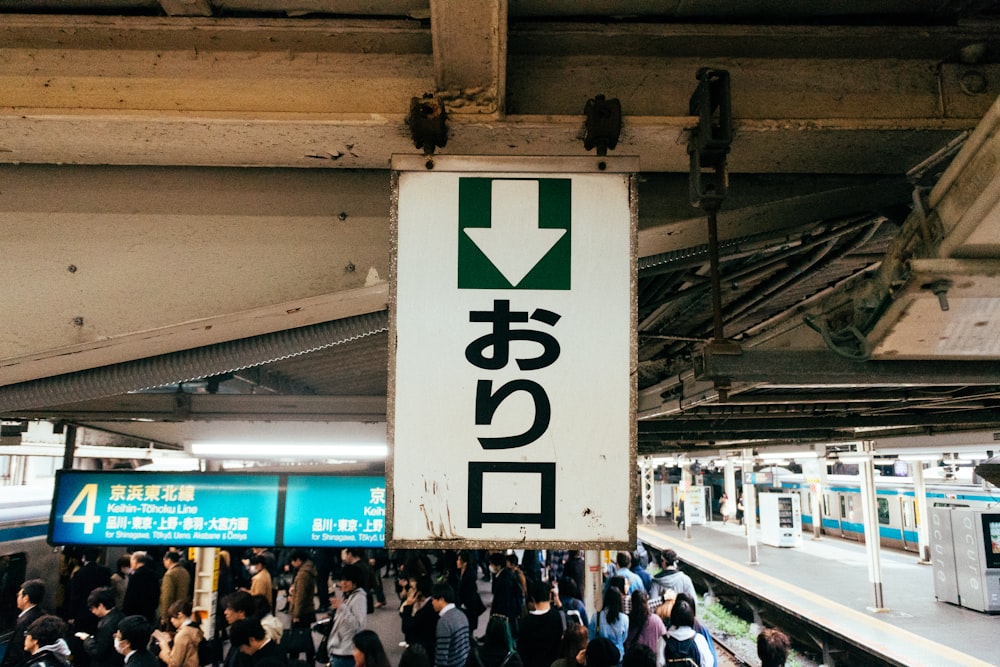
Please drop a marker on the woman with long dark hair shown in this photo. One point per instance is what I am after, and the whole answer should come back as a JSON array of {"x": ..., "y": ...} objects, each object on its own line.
[
  {"x": 644, "y": 628},
  {"x": 682, "y": 640},
  {"x": 368, "y": 650},
  {"x": 611, "y": 623}
]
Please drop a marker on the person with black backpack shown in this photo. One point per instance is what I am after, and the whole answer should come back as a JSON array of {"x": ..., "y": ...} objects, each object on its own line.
[{"x": 683, "y": 645}]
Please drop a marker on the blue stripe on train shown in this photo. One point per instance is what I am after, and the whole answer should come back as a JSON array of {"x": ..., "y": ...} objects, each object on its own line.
[
  {"x": 883, "y": 531},
  {"x": 799, "y": 486},
  {"x": 23, "y": 532}
]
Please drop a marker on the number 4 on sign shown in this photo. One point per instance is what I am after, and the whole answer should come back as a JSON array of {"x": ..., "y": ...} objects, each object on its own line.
[{"x": 88, "y": 518}]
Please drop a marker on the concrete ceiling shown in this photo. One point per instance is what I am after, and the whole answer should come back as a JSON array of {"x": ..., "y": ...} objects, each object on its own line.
[{"x": 186, "y": 178}]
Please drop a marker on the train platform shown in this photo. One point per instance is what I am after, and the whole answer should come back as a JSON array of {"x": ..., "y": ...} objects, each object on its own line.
[{"x": 826, "y": 581}]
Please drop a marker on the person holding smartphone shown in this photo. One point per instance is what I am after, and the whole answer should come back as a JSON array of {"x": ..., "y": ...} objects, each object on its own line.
[{"x": 100, "y": 646}]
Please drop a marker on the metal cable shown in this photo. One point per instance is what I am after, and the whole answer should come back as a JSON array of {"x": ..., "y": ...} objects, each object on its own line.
[{"x": 188, "y": 365}]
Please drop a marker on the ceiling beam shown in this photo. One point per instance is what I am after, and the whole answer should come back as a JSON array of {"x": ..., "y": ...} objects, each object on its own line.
[
  {"x": 335, "y": 93},
  {"x": 217, "y": 407},
  {"x": 198, "y": 333},
  {"x": 470, "y": 53},
  {"x": 362, "y": 141},
  {"x": 751, "y": 427},
  {"x": 794, "y": 368},
  {"x": 152, "y": 261},
  {"x": 92, "y": 452},
  {"x": 186, "y": 7}
]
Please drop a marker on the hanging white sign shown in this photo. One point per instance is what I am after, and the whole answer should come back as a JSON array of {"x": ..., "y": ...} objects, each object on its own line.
[{"x": 512, "y": 352}]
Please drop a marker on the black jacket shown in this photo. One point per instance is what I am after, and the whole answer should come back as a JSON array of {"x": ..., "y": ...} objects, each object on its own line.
[
  {"x": 142, "y": 658},
  {"x": 46, "y": 658},
  {"x": 85, "y": 580},
  {"x": 143, "y": 594},
  {"x": 101, "y": 645},
  {"x": 269, "y": 655},
  {"x": 16, "y": 656}
]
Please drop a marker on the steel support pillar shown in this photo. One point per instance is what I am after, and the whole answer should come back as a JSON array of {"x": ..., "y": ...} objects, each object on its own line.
[
  {"x": 648, "y": 489},
  {"x": 729, "y": 482},
  {"x": 920, "y": 511},
  {"x": 750, "y": 507},
  {"x": 870, "y": 521},
  {"x": 592, "y": 580}
]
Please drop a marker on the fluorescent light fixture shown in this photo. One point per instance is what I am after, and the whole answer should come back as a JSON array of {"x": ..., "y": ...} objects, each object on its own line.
[
  {"x": 784, "y": 456},
  {"x": 929, "y": 456},
  {"x": 284, "y": 450},
  {"x": 173, "y": 465},
  {"x": 853, "y": 458}
]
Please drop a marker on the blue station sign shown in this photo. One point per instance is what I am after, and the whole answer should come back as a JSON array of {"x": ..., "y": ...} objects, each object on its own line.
[
  {"x": 334, "y": 511},
  {"x": 217, "y": 509}
]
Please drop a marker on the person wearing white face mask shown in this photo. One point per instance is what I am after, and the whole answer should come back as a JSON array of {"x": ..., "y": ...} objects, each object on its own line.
[
  {"x": 132, "y": 641},
  {"x": 260, "y": 581}
]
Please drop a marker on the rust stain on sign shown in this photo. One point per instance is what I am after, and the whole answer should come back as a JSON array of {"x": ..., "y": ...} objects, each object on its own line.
[{"x": 437, "y": 513}]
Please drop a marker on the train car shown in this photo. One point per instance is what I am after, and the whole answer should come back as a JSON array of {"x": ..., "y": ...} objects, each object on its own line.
[
  {"x": 24, "y": 552},
  {"x": 898, "y": 513}
]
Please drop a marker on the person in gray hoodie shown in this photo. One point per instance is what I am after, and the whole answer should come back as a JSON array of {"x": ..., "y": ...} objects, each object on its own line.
[
  {"x": 44, "y": 641},
  {"x": 670, "y": 577}
]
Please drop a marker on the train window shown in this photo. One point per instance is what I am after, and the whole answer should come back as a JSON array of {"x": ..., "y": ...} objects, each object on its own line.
[
  {"x": 12, "y": 573},
  {"x": 883, "y": 511},
  {"x": 847, "y": 507},
  {"x": 908, "y": 518},
  {"x": 826, "y": 504}
]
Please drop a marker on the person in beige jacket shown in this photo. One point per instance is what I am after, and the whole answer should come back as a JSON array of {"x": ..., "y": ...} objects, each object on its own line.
[
  {"x": 260, "y": 581},
  {"x": 302, "y": 597},
  {"x": 302, "y": 593},
  {"x": 182, "y": 650},
  {"x": 176, "y": 586}
]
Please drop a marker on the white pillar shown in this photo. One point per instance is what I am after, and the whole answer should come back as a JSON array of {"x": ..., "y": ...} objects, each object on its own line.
[
  {"x": 593, "y": 581},
  {"x": 206, "y": 587},
  {"x": 816, "y": 500},
  {"x": 729, "y": 483},
  {"x": 870, "y": 522},
  {"x": 921, "y": 511},
  {"x": 814, "y": 472},
  {"x": 687, "y": 483},
  {"x": 750, "y": 506}
]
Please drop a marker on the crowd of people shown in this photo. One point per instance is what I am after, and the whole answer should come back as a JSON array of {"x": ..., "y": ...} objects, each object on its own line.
[{"x": 142, "y": 616}]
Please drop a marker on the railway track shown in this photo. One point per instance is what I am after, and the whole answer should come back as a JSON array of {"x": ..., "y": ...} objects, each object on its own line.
[{"x": 814, "y": 642}]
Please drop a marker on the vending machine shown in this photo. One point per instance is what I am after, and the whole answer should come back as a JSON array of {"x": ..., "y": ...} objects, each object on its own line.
[
  {"x": 965, "y": 552},
  {"x": 780, "y": 519}
]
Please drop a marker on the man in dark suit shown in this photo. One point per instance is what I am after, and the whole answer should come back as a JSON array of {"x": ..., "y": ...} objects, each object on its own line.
[
  {"x": 29, "y": 600},
  {"x": 131, "y": 641},
  {"x": 101, "y": 645},
  {"x": 143, "y": 592},
  {"x": 90, "y": 576},
  {"x": 249, "y": 637}
]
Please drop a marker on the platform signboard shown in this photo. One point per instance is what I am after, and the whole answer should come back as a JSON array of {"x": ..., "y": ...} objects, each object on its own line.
[
  {"x": 512, "y": 352},
  {"x": 217, "y": 509},
  {"x": 340, "y": 511},
  {"x": 151, "y": 508}
]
